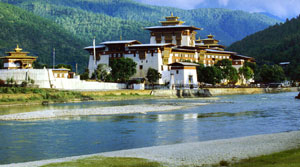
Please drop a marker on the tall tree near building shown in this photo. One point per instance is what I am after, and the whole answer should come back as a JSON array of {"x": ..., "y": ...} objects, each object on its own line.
[
  {"x": 122, "y": 69},
  {"x": 228, "y": 72},
  {"x": 102, "y": 72},
  {"x": 233, "y": 76},
  {"x": 153, "y": 76},
  {"x": 211, "y": 75},
  {"x": 246, "y": 73}
]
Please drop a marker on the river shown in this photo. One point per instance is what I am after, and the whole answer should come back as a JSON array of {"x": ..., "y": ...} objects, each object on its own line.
[{"x": 227, "y": 117}]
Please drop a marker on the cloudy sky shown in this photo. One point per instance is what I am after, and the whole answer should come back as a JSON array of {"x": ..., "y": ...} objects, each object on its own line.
[{"x": 281, "y": 8}]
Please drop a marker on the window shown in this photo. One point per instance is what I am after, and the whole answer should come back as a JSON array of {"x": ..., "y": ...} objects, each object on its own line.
[
  {"x": 146, "y": 61},
  {"x": 141, "y": 67},
  {"x": 162, "y": 68},
  {"x": 152, "y": 54},
  {"x": 177, "y": 71}
]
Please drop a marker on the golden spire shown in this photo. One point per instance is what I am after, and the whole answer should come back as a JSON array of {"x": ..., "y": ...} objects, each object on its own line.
[
  {"x": 17, "y": 49},
  {"x": 171, "y": 13},
  {"x": 210, "y": 36}
]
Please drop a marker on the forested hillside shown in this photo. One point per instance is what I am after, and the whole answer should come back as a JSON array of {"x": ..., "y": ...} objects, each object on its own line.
[
  {"x": 108, "y": 20},
  {"x": 279, "y": 43},
  {"x": 38, "y": 36}
]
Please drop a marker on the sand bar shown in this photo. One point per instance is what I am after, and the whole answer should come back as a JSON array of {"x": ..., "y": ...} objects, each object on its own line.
[{"x": 127, "y": 109}]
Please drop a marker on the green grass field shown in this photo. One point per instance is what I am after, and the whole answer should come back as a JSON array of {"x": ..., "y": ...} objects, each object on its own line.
[
  {"x": 289, "y": 158},
  {"x": 98, "y": 161}
]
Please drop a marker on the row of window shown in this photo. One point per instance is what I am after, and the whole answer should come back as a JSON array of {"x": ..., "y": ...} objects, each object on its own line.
[
  {"x": 184, "y": 55},
  {"x": 217, "y": 57}
]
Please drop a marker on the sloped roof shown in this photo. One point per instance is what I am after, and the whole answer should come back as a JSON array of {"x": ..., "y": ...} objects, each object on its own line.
[
  {"x": 173, "y": 26},
  {"x": 97, "y": 47},
  {"x": 151, "y": 45},
  {"x": 220, "y": 51},
  {"x": 183, "y": 64},
  {"x": 120, "y": 42}
]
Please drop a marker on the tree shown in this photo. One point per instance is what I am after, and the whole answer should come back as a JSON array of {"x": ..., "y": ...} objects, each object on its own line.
[
  {"x": 273, "y": 73},
  {"x": 224, "y": 63},
  {"x": 64, "y": 66},
  {"x": 212, "y": 75},
  {"x": 246, "y": 73},
  {"x": 232, "y": 75},
  {"x": 102, "y": 72},
  {"x": 200, "y": 73},
  {"x": 228, "y": 72},
  {"x": 85, "y": 75},
  {"x": 153, "y": 75},
  {"x": 122, "y": 69},
  {"x": 296, "y": 74}
]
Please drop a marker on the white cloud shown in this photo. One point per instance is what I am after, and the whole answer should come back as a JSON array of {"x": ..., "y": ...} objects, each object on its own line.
[
  {"x": 223, "y": 2},
  {"x": 280, "y": 8}
]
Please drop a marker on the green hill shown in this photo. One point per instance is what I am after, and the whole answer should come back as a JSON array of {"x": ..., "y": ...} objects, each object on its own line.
[
  {"x": 108, "y": 20},
  {"x": 279, "y": 43},
  {"x": 39, "y": 36}
]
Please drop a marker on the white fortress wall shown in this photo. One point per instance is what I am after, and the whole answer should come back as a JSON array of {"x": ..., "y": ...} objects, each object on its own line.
[
  {"x": 44, "y": 78},
  {"x": 75, "y": 84},
  {"x": 40, "y": 76}
]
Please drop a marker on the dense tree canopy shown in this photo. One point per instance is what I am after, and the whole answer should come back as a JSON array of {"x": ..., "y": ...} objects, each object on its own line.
[
  {"x": 127, "y": 18},
  {"x": 246, "y": 73},
  {"x": 122, "y": 69},
  {"x": 39, "y": 36},
  {"x": 271, "y": 74},
  {"x": 153, "y": 75},
  {"x": 211, "y": 75}
]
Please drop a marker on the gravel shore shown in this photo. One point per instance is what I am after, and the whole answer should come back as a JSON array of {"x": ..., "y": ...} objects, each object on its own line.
[
  {"x": 200, "y": 153},
  {"x": 128, "y": 109}
]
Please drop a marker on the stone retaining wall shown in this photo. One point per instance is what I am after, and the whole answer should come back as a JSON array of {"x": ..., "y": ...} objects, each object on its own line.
[{"x": 219, "y": 91}]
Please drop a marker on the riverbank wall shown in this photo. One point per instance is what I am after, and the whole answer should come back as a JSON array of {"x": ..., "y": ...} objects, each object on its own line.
[{"x": 219, "y": 91}]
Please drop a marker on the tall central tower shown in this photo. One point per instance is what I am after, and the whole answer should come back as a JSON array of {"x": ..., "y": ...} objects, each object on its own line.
[{"x": 173, "y": 31}]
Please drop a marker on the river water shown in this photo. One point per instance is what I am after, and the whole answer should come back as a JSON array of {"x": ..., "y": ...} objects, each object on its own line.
[{"x": 227, "y": 117}]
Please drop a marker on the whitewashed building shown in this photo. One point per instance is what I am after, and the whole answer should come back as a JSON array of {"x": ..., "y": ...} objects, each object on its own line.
[
  {"x": 169, "y": 43},
  {"x": 183, "y": 73}
]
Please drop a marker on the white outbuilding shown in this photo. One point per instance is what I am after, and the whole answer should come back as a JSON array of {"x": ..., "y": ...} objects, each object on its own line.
[{"x": 183, "y": 73}]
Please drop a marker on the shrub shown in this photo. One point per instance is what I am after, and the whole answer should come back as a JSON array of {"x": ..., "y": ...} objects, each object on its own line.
[
  {"x": 24, "y": 84},
  {"x": 2, "y": 82},
  {"x": 224, "y": 163}
]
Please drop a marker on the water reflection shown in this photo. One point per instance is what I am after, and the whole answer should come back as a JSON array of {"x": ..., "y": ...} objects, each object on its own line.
[{"x": 231, "y": 116}]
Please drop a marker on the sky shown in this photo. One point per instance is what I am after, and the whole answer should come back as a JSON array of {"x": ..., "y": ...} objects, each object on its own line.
[{"x": 280, "y": 8}]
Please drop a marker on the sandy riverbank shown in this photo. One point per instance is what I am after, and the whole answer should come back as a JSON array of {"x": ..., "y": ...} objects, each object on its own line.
[
  {"x": 128, "y": 109},
  {"x": 200, "y": 153}
]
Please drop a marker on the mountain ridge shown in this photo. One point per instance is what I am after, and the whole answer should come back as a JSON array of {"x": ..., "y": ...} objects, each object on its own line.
[
  {"x": 276, "y": 44},
  {"x": 227, "y": 25},
  {"x": 38, "y": 36}
]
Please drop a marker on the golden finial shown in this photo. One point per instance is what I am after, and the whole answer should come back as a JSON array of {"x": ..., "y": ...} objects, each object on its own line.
[
  {"x": 17, "y": 49},
  {"x": 120, "y": 37},
  {"x": 171, "y": 13},
  {"x": 210, "y": 36}
]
